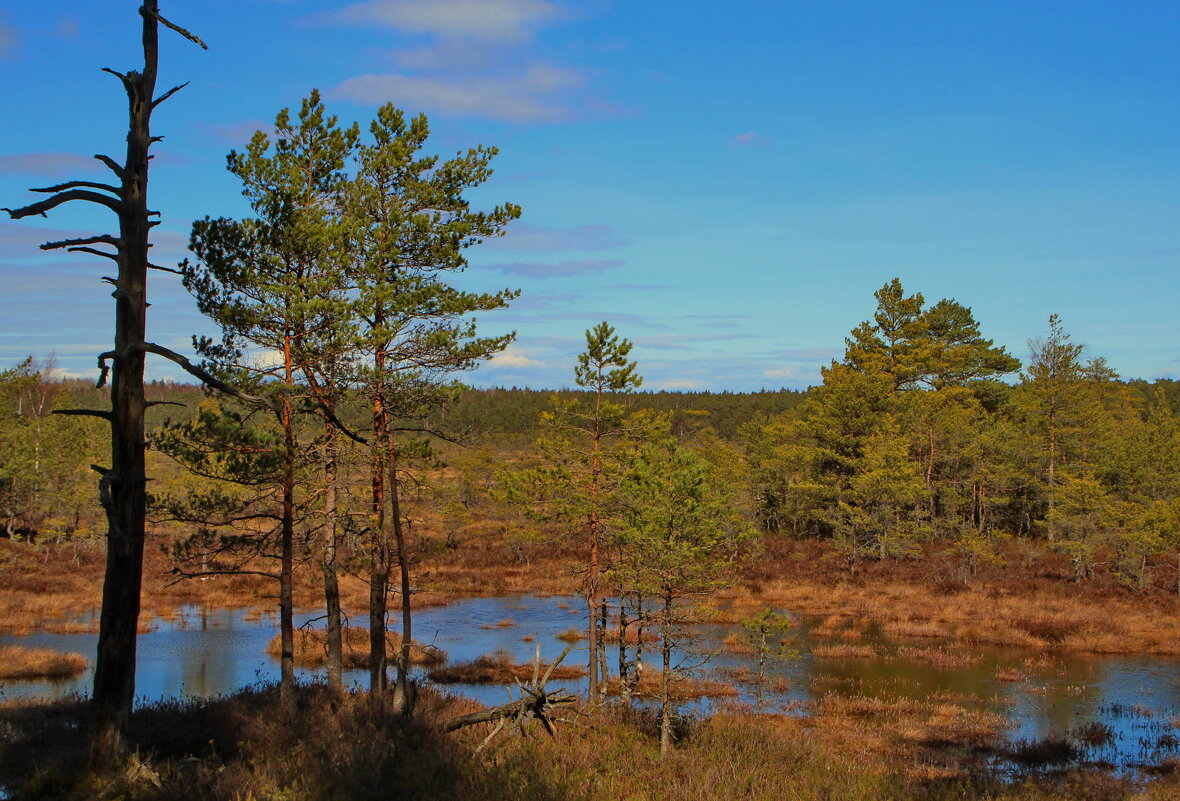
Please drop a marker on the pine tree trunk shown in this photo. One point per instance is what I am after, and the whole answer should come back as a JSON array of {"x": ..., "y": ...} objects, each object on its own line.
[
  {"x": 401, "y": 690},
  {"x": 378, "y": 537},
  {"x": 624, "y": 686},
  {"x": 331, "y": 582},
  {"x": 666, "y": 682},
  {"x": 287, "y": 553}
]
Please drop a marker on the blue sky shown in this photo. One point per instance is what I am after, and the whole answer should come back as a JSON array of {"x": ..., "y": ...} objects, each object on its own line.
[{"x": 726, "y": 183}]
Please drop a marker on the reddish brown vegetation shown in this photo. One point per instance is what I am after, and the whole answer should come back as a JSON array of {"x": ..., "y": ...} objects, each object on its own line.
[
  {"x": 311, "y": 648},
  {"x": 17, "y": 662},
  {"x": 498, "y": 668}
]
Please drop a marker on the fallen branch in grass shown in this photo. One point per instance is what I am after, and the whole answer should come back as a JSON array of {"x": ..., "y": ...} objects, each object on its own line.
[{"x": 535, "y": 703}]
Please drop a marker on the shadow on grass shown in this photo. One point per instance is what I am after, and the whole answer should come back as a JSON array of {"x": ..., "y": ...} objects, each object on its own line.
[{"x": 250, "y": 745}]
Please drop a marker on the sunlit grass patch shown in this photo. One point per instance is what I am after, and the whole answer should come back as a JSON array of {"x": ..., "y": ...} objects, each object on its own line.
[
  {"x": 311, "y": 648},
  {"x": 498, "y": 668},
  {"x": 18, "y": 662}
]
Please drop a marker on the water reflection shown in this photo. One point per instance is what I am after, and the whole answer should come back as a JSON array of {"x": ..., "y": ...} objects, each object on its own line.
[{"x": 207, "y": 652}]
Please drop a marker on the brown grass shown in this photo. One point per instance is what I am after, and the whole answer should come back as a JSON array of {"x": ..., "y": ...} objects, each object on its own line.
[
  {"x": 572, "y": 634},
  {"x": 1030, "y": 605},
  {"x": 612, "y": 635},
  {"x": 843, "y": 651},
  {"x": 745, "y": 675},
  {"x": 939, "y": 657},
  {"x": 498, "y": 668},
  {"x": 311, "y": 648},
  {"x": 321, "y": 746},
  {"x": 17, "y": 662},
  {"x": 682, "y": 688}
]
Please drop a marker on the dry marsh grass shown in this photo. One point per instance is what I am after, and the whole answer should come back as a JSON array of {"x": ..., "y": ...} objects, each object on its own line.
[
  {"x": 498, "y": 668},
  {"x": 52, "y": 585},
  {"x": 938, "y": 657},
  {"x": 572, "y": 635},
  {"x": 611, "y": 635},
  {"x": 311, "y": 648},
  {"x": 17, "y": 662},
  {"x": 843, "y": 651},
  {"x": 682, "y": 687},
  {"x": 322, "y": 746}
]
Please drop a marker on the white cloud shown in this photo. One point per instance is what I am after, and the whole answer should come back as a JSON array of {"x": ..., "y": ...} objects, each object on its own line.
[
  {"x": 532, "y": 95},
  {"x": 513, "y": 357},
  {"x": 479, "y": 59},
  {"x": 525, "y": 237},
  {"x": 787, "y": 373},
  {"x": 46, "y": 164},
  {"x": 750, "y": 138},
  {"x": 7, "y": 38},
  {"x": 68, "y": 27},
  {"x": 676, "y": 383},
  {"x": 490, "y": 20},
  {"x": 562, "y": 269}
]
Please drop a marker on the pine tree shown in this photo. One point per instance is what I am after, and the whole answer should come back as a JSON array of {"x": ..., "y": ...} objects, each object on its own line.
[
  {"x": 275, "y": 284},
  {"x": 680, "y": 537},
  {"x": 410, "y": 227}
]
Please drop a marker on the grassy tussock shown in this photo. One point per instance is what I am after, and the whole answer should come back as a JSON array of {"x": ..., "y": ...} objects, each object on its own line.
[
  {"x": 843, "y": 651},
  {"x": 938, "y": 657},
  {"x": 498, "y": 668},
  {"x": 311, "y": 648},
  {"x": 17, "y": 662},
  {"x": 683, "y": 688}
]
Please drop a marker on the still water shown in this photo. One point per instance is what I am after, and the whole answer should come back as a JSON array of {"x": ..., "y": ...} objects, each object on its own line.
[{"x": 209, "y": 652}]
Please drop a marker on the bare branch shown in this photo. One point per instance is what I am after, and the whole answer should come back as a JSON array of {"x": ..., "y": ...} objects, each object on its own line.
[
  {"x": 114, "y": 166},
  {"x": 96, "y": 252},
  {"x": 65, "y": 197},
  {"x": 84, "y": 413},
  {"x": 126, "y": 81},
  {"x": 196, "y": 371},
  {"x": 184, "y": 574},
  {"x": 104, "y": 368},
  {"x": 432, "y": 432},
  {"x": 164, "y": 269},
  {"x": 192, "y": 37},
  {"x": 168, "y": 94},
  {"x": 100, "y": 239},
  {"x": 149, "y": 404},
  {"x": 45, "y": 190}
]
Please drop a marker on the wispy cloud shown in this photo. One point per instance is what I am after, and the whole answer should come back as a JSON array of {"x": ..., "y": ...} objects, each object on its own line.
[
  {"x": 7, "y": 38},
  {"x": 47, "y": 165},
  {"x": 749, "y": 138},
  {"x": 68, "y": 27},
  {"x": 686, "y": 341},
  {"x": 513, "y": 356},
  {"x": 533, "y": 94},
  {"x": 479, "y": 60},
  {"x": 562, "y": 269},
  {"x": 525, "y": 237},
  {"x": 238, "y": 133},
  {"x": 490, "y": 20}
]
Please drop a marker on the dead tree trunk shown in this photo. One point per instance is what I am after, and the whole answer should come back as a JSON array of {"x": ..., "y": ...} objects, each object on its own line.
[{"x": 122, "y": 486}]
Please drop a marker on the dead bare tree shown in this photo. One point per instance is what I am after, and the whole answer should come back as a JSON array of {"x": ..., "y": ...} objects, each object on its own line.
[
  {"x": 122, "y": 487},
  {"x": 535, "y": 703}
]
